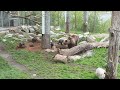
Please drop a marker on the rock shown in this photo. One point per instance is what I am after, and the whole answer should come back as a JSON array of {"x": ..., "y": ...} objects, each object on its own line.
[
  {"x": 31, "y": 45},
  {"x": 74, "y": 58},
  {"x": 57, "y": 28},
  {"x": 60, "y": 58},
  {"x": 80, "y": 36},
  {"x": 25, "y": 28},
  {"x": 103, "y": 35},
  {"x": 32, "y": 34},
  {"x": 34, "y": 75},
  {"x": 86, "y": 34},
  {"x": 52, "y": 28},
  {"x": 39, "y": 35},
  {"x": 78, "y": 57},
  {"x": 87, "y": 54},
  {"x": 3, "y": 33},
  {"x": 52, "y": 33},
  {"x": 20, "y": 36},
  {"x": 49, "y": 50},
  {"x": 90, "y": 38},
  {"x": 31, "y": 29},
  {"x": 105, "y": 39},
  {"x": 8, "y": 35}
]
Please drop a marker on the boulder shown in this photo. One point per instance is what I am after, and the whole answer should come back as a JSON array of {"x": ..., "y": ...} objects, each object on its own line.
[{"x": 60, "y": 58}]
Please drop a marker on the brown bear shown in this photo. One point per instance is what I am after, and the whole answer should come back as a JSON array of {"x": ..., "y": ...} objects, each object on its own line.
[{"x": 72, "y": 41}]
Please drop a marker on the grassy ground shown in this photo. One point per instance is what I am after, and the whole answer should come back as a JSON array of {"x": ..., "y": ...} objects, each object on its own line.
[
  {"x": 43, "y": 64},
  {"x": 8, "y": 72}
]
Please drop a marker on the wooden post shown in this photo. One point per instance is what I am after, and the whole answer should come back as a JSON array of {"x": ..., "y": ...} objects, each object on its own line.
[
  {"x": 113, "y": 51},
  {"x": 45, "y": 29}
]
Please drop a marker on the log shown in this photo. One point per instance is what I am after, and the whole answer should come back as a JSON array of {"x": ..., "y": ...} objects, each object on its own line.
[
  {"x": 76, "y": 49},
  {"x": 100, "y": 44}
]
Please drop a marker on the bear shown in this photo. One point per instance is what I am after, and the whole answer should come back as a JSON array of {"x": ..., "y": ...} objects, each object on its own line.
[{"x": 72, "y": 41}]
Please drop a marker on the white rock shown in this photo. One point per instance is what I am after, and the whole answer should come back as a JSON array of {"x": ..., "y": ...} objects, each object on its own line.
[
  {"x": 52, "y": 27},
  {"x": 34, "y": 75},
  {"x": 100, "y": 73},
  {"x": 31, "y": 30},
  {"x": 8, "y": 35},
  {"x": 49, "y": 50},
  {"x": 20, "y": 36},
  {"x": 90, "y": 38},
  {"x": 74, "y": 58},
  {"x": 87, "y": 33},
  {"x": 60, "y": 58},
  {"x": 105, "y": 39},
  {"x": 52, "y": 33},
  {"x": 57, "y": 28}
]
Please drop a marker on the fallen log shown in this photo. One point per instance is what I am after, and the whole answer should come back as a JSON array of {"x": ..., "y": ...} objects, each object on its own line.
[
  {"x": 76, "y": 50},
  {"x": 100, "y": 44},
  {"x": 82, "y": 48}
]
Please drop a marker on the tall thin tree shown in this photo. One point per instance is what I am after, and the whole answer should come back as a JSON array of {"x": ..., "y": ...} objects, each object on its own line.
[
  {"x": 67, "y": 21},
  {"x": 85, "y": 23},
  {"x": 2, "y": 19},
  {"x": 75, "y": 20},
  {"x": 45, "y": 29},
  {"x": 94, "y": 21}
]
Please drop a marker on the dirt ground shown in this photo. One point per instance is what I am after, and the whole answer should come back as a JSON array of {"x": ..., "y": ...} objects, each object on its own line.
[{"x": 36, "y": 47}]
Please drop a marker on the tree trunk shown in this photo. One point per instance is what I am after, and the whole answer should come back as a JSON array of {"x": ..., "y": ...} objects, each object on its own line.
[
  {"x": 75, "y": 21},
  {"x": 85, "y": 24},
  {"x": 67, "y": 21},
  {"x": 58, "y": 18},
  {"x": 2, "y": 18},
  {"x": 76, "y": 49},
  {"x": 113, "y": 50},
  {"x": 45, "y": 29},
  {"x": 82, "y": 48},
  {"x": 94, "y": 22}
]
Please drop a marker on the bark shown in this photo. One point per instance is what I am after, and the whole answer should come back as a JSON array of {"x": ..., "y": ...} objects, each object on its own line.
[
  {"x": 67, "y": 22},
  {"x": 75, "y": 21},
  {"x": 94, "y": 22},
  {"x": 76, "y": 50},
  {"x": 45, "y": 41},
  {"x": 113, "y": 51},
  {"x": 85, "y": 24},
  {"x": 46, "y": 30}
]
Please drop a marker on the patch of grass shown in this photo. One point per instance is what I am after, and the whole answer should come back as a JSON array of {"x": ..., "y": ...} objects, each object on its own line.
[
  {"x": 98, "y": 39},
  {"x": 97, "y": 60},
  {"x": 43, "y": 64},
  {"x": 7, "y": 72},
  {"x": 10, "y": 43}
]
